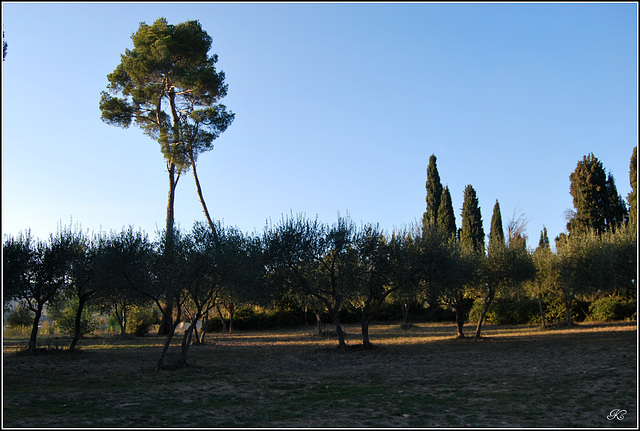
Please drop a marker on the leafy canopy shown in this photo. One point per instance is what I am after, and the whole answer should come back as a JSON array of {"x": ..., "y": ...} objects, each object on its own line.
[{"x": 169, "y": 87}]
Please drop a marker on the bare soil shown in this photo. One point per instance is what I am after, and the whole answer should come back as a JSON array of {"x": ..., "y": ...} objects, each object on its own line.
[{"x": 515, "y": 376}]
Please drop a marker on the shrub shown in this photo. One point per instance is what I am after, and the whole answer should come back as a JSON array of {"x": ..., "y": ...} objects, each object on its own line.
[
  {"x": 608, "y": 309},
  {"x": 505, "y": 311},
  {"x": 20, "y": 317},
  {"x": 67, "y": 322},
  {"x": 141, "y": 321},
  {"x": 555, "y": 310},
  {"x": 435, "y": 313}
]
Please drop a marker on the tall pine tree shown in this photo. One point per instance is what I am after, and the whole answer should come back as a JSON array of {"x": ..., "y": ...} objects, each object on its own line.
[
  {"x": 446, "y": 217},
  {"x": 434, "y": 193},
  {"x": 471, "y": 232}
]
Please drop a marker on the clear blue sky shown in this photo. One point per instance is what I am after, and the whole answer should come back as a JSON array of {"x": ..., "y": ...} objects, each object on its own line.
[{"x": 338, "y": 108}]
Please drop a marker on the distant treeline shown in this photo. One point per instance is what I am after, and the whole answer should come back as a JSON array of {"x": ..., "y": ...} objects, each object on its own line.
[{"x": 304, "y": 271}]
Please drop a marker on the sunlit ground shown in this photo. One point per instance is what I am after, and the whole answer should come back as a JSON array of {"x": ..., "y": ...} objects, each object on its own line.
[{"x": 387, "y": 334}]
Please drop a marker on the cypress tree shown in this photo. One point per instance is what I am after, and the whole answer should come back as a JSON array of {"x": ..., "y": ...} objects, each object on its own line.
[
  {"x": 616, "y": 209},
  {"x": 544, "y": 239},
  {"x": 595, "y": 198},
  {"x": 632, "y": 197},
  {"x": 471, "y": 232},
  {"x": 434, "y": 193},
  {"x": 496, "y": 234},
  {"x": 446, "y": 217}
]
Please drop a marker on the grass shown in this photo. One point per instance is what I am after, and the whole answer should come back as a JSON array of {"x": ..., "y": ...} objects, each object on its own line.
[{"x": 515, "y": 376}]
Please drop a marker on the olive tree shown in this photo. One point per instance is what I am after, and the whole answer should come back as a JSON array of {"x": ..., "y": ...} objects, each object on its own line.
[
  {"x": 35, "y": 272},
  {"x": 316, "y": 259}
]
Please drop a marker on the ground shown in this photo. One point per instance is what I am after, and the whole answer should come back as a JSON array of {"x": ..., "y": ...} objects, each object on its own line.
[{"x": 515, "y": 376}]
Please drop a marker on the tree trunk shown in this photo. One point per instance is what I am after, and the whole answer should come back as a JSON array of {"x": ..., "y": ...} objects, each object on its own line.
[
  {"x": 405, "y": 315},
  {"x": 222, "y": 319},
  {"x": 199, "y": 190},
  {"x": 34, "y": 330},
  {"x": 186, "y": 343},
  {"x": 203, "y": 327},
  {"x": 122, "y": 320},
  {"x": 78, "y": 325},
  {"x": 318, "y": 322},
  {"x": 167, "y": 343},
  {"x": 485, "y": 308},
  {"x": 567, "y": 303},
  {"x": 335, "y": 315},
  {"x": 460, "y": 315},
  {"x": 166, "y": 322},
  {"x": 487, "y": 303},
  {"x": 544, "y": 324},
  {"x": 232, "y": 310},
  {"x": 366, "y": 342}
]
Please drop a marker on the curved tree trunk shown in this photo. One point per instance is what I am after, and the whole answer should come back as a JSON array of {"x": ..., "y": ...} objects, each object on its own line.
[
  {"x": 487, "y": 303},
  {"x": 199, "y": 190},
  {"x": 366, "y": 342},
  {"x": 78, "y": 324},
  {"x": 33, "y": 339}
]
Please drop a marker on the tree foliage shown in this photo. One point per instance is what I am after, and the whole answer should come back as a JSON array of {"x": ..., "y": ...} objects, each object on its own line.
[
  {"x": 446, "y": 216},
  {"x": 632, "y": 197},
  {"x": 595, "y": 198},
  {"x": 434, "y": 193},
  {"x": 471, "y": 232}
]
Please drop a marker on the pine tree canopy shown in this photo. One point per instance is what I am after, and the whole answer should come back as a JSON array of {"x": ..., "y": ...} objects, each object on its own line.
[{"x": 169, "y": 87}]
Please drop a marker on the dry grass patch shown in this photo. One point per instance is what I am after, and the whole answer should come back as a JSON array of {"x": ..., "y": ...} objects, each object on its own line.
[{"x": 517, "y": 376}]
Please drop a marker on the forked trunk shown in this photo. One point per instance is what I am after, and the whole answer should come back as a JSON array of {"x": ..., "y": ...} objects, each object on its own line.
[{"x": 186, "y": 343}]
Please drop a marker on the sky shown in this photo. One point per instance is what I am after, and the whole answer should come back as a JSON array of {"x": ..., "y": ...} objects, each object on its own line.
[{"x": 338, "y": 107}]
